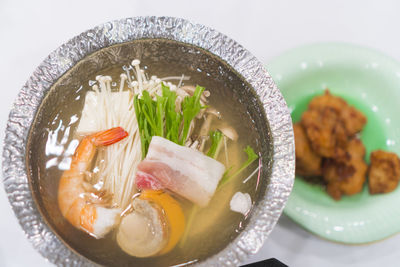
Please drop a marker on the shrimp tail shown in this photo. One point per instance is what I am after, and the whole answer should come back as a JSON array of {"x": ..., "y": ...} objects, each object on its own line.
[{"x": 109, "y": 137}]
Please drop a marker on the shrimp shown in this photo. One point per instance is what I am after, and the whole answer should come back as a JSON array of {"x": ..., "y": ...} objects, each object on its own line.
[{"x": 94, "y": 219}]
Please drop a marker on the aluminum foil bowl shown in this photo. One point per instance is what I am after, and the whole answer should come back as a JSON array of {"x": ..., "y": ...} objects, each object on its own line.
[{"x": 161, "y": 40}]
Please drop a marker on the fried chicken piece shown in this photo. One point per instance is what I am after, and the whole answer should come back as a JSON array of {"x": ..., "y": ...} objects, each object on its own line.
[
  {"x": 346, "y": 176},
  {"x": 352, "y": 118},
  {"x": 325, "y": 131},
  {"x": 384, "y": 172},
  {"x": 330, "y": 125},
  {"x": 307, "y": 162},
  {"x": 327, "y": 100}
]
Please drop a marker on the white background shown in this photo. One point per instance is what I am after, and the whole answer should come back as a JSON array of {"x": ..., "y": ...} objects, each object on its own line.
[{"x": 30, "y": 30}]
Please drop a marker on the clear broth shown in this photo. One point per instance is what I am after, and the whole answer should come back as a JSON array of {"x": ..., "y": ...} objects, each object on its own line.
[{"x": 213, "y": 227}]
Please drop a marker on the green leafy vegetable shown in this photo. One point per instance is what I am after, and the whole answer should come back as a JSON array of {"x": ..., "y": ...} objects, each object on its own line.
[
  {"x": 144, "y": 131},
  {"x": 160, "y": 118},
  {"x": 173, "y": 119},
  {"x": 216, "y": 138},
  {"x": 189, "y": 222},
  {"x": 190, "y": 108},
  {"x": 251, "y": 156}
]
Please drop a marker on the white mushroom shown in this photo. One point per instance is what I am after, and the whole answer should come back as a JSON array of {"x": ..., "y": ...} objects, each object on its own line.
[
  {"x": 229, "y": 132},
  {"x": 215, "y": 112},
  {"x": 122, "y": 83},
  {"x": 135, "y": 62},
  {"x": 181, "y": 93},
  {"x": 205, "y": 127},
  {"x": 191, "y": 128},
  {"x": 189, "y": 89}
]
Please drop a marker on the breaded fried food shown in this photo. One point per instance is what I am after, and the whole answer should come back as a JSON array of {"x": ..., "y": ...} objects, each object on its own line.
[
  {"x": 325, "y": 131},
  {"x": 352, "y": 119},
  {"x": 326, "y": 144},
  {"x": 327, "y": 100},
  {"x": 346, "y": 176},
  {"x": 384, "y": 172},
  {"x": 308, "y": 163}
]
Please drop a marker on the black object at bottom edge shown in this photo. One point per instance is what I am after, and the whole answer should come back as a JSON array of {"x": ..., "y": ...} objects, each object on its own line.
[{"x": 266, "y": 263}]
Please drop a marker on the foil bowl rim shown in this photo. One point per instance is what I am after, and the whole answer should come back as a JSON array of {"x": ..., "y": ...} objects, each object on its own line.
[{"x": 15, "y": 177}]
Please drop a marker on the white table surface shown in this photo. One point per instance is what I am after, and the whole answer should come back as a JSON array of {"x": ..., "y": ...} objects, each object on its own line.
[{"x": 30, "y": 30}]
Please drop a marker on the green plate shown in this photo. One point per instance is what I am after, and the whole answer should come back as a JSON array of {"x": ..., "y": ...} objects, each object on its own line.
[{"x": 370, "y": 81}]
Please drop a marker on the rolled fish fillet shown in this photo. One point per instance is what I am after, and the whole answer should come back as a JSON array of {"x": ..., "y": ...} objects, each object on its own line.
[
  {"x": 185, "y": 171},
  {"x": 107, "y": 219}
]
